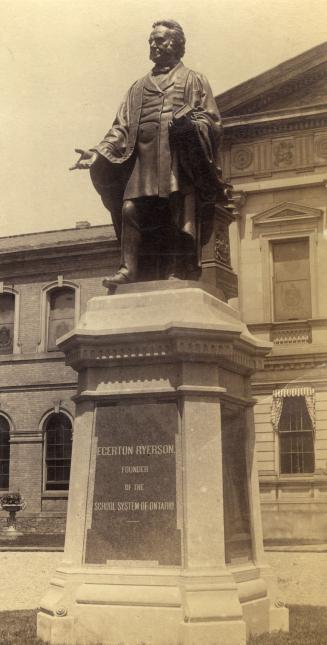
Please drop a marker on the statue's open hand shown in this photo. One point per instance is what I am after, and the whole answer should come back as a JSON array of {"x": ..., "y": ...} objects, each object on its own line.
[{"x": 86, "y": 160}]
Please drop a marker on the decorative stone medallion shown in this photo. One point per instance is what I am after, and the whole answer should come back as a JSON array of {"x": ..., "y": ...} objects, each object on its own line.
[
  {"x": 242, "y": 157},
  {"x": 321, "y": 147}
]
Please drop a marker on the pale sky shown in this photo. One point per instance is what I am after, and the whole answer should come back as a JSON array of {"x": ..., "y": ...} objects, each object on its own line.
[{"x": 66, "y": 64}]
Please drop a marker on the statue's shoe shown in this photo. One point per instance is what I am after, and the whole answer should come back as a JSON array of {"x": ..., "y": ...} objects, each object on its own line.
[{"x": 116, "y": 279}]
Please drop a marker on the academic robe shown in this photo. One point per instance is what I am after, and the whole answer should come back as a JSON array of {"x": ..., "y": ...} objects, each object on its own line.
[{"x": 143, "y": 155}]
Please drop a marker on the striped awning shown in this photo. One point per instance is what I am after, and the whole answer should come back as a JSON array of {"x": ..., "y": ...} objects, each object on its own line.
[
  {"x": 288, "y": 391},
  {"x": 293, "y": 391}
]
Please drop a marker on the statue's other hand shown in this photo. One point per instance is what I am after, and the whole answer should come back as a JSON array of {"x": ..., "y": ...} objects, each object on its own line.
[
  {"x": 183, "y": 124},
  {"x": 86, "y": 160}
]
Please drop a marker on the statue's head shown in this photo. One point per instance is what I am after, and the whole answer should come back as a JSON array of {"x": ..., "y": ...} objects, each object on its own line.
[{"x": 167, "y": 42}]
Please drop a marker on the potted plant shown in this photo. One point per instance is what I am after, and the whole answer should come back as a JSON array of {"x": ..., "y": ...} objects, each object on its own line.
[{"x": 11, "y": 502}]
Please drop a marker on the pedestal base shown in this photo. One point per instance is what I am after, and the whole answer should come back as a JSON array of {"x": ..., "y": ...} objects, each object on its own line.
[
  {"x": 163, "y": 524},
  {"x": 152, "y": 607},
  {"x": 155, "y": 606}
]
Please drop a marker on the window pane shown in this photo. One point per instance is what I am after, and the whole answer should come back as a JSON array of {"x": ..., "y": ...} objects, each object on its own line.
[
  {"x": 62, "y": 303},
  {"x": 292, "y": 300},
  {"x": 3, "y": 482},
  {"x": 4, "y": 467},
  {"x": 294, "y": 415},
  {"x": 308, "y": 462},
  {"x": 4, "y": 451},
  {"x": 51, "y": 451},
  {"x": 67, "y": 451},
  {"x": 285, "y": 462},
  {"x": 291, "y": 260},
  {"x": 7, "y": 308}
]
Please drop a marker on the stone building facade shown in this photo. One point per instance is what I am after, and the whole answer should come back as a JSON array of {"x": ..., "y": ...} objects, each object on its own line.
[{"x": 275, "y": 155}]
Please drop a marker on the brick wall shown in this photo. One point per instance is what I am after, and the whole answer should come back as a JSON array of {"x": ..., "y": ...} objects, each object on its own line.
[{"x": 33, "y": 383}]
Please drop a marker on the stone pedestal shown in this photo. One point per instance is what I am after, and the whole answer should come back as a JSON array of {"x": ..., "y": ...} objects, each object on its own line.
[{"x": 163, "y": 541}]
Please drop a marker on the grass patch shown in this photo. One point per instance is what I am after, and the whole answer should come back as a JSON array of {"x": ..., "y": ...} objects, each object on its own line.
[
  {"x": 18, "y": 628},
  {"x": 308, "y": 626},
  {"x": 36, "y": 540}
]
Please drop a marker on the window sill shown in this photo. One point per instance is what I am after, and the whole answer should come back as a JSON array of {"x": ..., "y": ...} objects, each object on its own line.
[
  {"x": 54, "y": 494},
  {"x": 296, "y": 478},
  {"x": 32, "y": 356}
]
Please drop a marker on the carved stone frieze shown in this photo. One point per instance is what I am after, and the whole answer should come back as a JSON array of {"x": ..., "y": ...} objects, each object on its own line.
[
  {"x": 273, "y": 155},
  {"x": 283, "y": 153},
  {"x": 291, "y": 334}
]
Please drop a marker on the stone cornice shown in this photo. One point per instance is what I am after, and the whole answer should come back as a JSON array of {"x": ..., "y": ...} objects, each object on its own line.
[
  {"x": 283, "y": 114},
  {"x": 261, "y": 125},
  {"x": 38, "y": 387},
  {"x": 285, "y": 183},
  {"x": 291, "y": 361},
  {"x": 174, "y": 345},
  {"x": 26, "y": 436},
  {"x": 92, "y": 247},
  {"x": 256, "y": 327},
  {"x": 284, "y": 79},
  {"x": 266, "y": 388}
]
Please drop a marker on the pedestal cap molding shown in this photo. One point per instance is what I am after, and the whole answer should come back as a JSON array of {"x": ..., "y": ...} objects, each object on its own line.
[{"x": 162, "y": 325}]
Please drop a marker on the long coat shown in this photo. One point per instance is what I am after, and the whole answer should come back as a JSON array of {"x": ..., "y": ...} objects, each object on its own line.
[{"x": 142, "y": 156}]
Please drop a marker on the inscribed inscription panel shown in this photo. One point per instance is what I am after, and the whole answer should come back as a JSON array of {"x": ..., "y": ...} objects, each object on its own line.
[{"x": 134, "y": 503}]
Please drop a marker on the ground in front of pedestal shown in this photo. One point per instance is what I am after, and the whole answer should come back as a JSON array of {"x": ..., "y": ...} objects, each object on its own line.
[{"x": 308, "y": 626}]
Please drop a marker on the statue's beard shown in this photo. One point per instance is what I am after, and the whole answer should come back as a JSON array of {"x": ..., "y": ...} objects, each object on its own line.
[{"x": 164, "y": 58}]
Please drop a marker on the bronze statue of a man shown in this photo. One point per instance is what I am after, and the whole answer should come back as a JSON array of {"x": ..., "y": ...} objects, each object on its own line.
[{"x": 157, "y": 165}]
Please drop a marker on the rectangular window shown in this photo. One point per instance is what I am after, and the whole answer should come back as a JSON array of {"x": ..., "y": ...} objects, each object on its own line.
[
  {"x": 291, "y": 279},
  {"x": 295, "y": 437}
]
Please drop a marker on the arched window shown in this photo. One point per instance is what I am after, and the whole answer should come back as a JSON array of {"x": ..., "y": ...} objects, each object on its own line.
[
  {"x": 61, "y": 318},
  {"x": 4, "y": 453},
  {"x": 7, "y": 321},
  {"x": 58, "y": 450}
]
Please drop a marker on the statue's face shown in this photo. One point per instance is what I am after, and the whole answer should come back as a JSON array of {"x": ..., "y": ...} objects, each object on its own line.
[{"x": 162, "y": 50}]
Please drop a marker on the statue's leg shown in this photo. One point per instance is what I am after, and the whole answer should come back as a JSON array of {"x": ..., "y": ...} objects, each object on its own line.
[
  {"x": 183, "y": 262},
  {"x": 130, "y": 244}
]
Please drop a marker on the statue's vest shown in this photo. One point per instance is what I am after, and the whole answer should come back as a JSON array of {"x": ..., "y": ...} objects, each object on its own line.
[{"x": 135, "y": 99}]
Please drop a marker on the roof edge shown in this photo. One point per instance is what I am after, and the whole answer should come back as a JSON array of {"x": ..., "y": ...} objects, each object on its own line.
[{"x": 254, "y": 87}]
